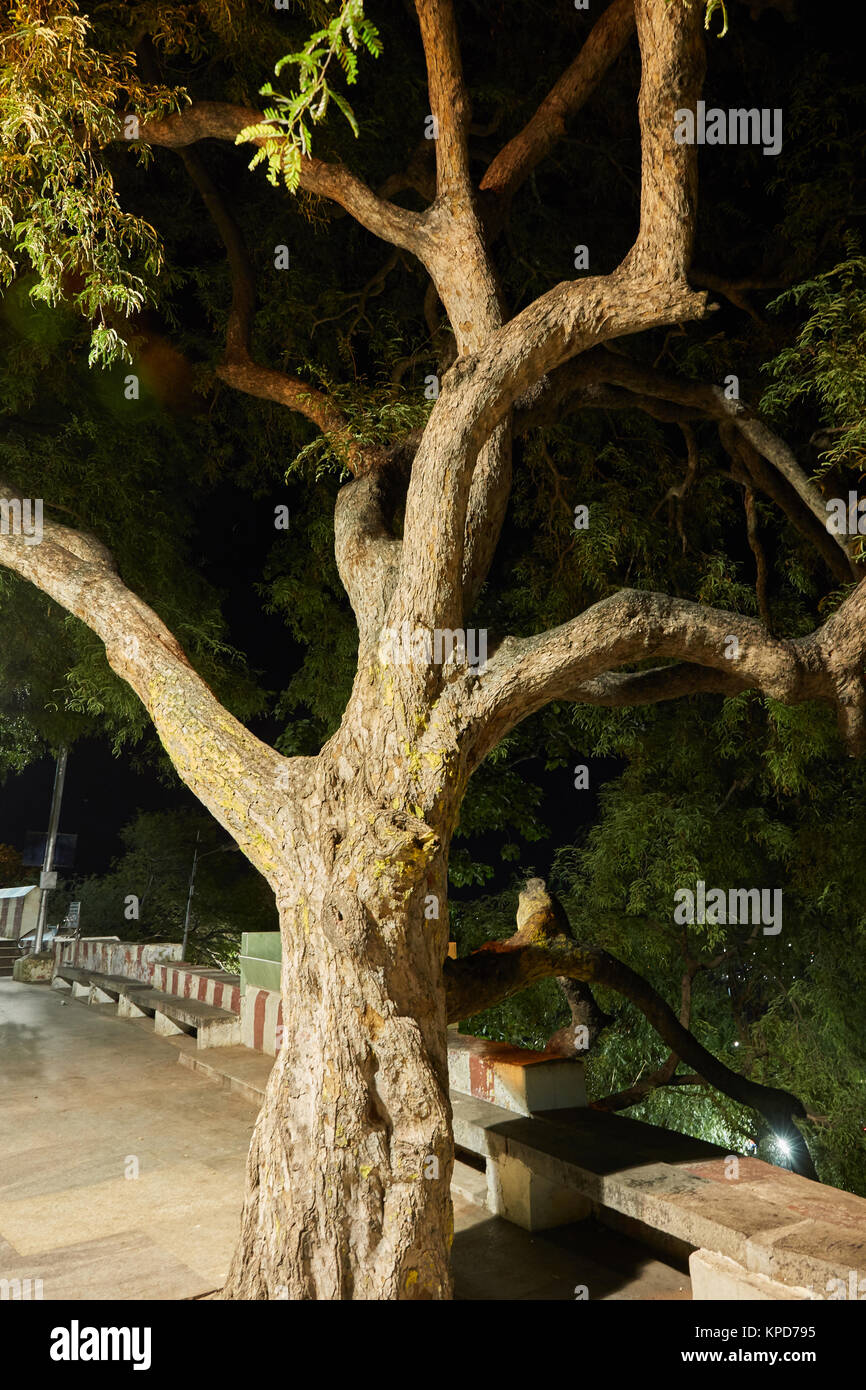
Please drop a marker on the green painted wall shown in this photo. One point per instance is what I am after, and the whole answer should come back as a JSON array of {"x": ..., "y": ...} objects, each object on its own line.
[{"x": 261, "y": 955}]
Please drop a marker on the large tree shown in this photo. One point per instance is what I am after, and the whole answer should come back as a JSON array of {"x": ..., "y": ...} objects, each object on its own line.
[{"x": 354, "y": 839}]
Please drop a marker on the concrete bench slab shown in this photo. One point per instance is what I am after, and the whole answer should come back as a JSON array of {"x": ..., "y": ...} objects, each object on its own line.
[
  {"x": 93, "y": 985},
  {"x": 81, "y": 975},
  {"x": 213, "y": 1027},
  {"x": 758, "y": 1217},
  {"x": 716, "y": 1277}
]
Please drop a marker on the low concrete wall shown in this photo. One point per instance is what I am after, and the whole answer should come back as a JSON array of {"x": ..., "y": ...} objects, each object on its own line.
[
  {"x": 262, "y": 1020},
  {"x": 513, "y": 1077},
  {"x": 134, "y": 959}
]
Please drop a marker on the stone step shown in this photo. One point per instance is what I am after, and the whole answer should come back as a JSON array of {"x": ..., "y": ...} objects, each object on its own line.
[
  {"x": 9, "y": 953},
  {"x": 238, "y": 1069}
]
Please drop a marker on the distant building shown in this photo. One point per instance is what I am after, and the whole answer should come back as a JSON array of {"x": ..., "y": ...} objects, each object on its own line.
[{"x": 19, "y": 909}]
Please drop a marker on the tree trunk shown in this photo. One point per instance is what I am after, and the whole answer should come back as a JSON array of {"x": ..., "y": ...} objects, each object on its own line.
[{"x": 348, "y": 1177}]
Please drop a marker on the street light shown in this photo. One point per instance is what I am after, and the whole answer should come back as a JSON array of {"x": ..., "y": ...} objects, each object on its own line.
[{"x": 220, "y": 849}]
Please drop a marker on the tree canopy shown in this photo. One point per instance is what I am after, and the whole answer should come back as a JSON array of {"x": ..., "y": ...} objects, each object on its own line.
[{"x": 201, "y": 318}]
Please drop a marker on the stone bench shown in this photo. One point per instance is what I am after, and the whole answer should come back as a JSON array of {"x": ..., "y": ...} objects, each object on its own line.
[
  {"x": 212, "y": 1026},
  {"x": 751, "y": 1230},
  {"x": 93, "y": 985}
]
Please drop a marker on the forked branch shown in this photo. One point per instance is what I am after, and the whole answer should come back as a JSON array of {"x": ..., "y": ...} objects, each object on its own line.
[
  {"x": 543, "y": 947},
  {"x": 580, "y": 658}
]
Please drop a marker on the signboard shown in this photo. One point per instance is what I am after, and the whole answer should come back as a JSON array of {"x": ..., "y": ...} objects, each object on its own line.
[
  {"x": 73, "y": 918},
  {"x": 33, "y": 854}
]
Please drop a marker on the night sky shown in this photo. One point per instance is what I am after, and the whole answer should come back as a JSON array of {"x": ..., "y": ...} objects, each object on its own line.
[{"x": 103, "y": 792}]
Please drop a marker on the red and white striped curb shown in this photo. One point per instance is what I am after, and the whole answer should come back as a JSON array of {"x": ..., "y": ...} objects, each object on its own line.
[
  {"x": 262, "y": 1020},
  {"x": 193, "y": 982}
]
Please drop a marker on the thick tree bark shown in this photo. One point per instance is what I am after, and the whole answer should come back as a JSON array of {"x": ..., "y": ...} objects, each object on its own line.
[
  {"x": 349, "y": 1170},
  {"x": 350, "y": 1166}
]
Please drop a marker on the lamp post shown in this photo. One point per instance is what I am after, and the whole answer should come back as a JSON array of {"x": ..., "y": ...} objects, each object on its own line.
[
  {"x": 45, "y": 883},
  {"x": 220, "y": 849}
]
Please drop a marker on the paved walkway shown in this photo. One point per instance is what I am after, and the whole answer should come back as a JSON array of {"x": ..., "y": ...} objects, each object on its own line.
[{"x": 121, "y": 1175}]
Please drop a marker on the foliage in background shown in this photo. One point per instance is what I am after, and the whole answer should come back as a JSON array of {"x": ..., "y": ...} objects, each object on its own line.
[
  {"x": 60, "y": 100},
  {"x": 741, "y": 792},
  {"x": 230, "y": 896},
  {"x": 824, "y": 367},
  {"x": 12, "y": 871}
]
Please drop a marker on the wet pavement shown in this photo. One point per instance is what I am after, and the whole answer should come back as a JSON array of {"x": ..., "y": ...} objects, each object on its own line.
[{"x": 121, "y": 1175}]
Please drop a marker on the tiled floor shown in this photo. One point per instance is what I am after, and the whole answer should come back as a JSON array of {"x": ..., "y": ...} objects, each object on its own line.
[{"x": 87, "y": 1101}]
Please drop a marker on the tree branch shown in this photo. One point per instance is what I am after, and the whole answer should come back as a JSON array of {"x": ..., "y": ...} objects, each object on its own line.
[
  {"x": 230, "y": 771},
  {"x": 243, "y": 282},
  {"x": 526, "y": 674},
  {"x": 789, "y": 502},
  {"x": 622, "y": 1100},
  {"x": 541, "y": 948},
  {"x": 586, "y": 383},
  {"x": 449, "y": 102},
  {"x": 711, "y": 401},
  {"x": 672, "y": 74},
  {"x": 219, "y": 120},
  {"x": 476, "y": 394},
  {"x": 367, "y": 550},
  {"x": 649, "y": 687},
  {"x": 516, "y": 160}
]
